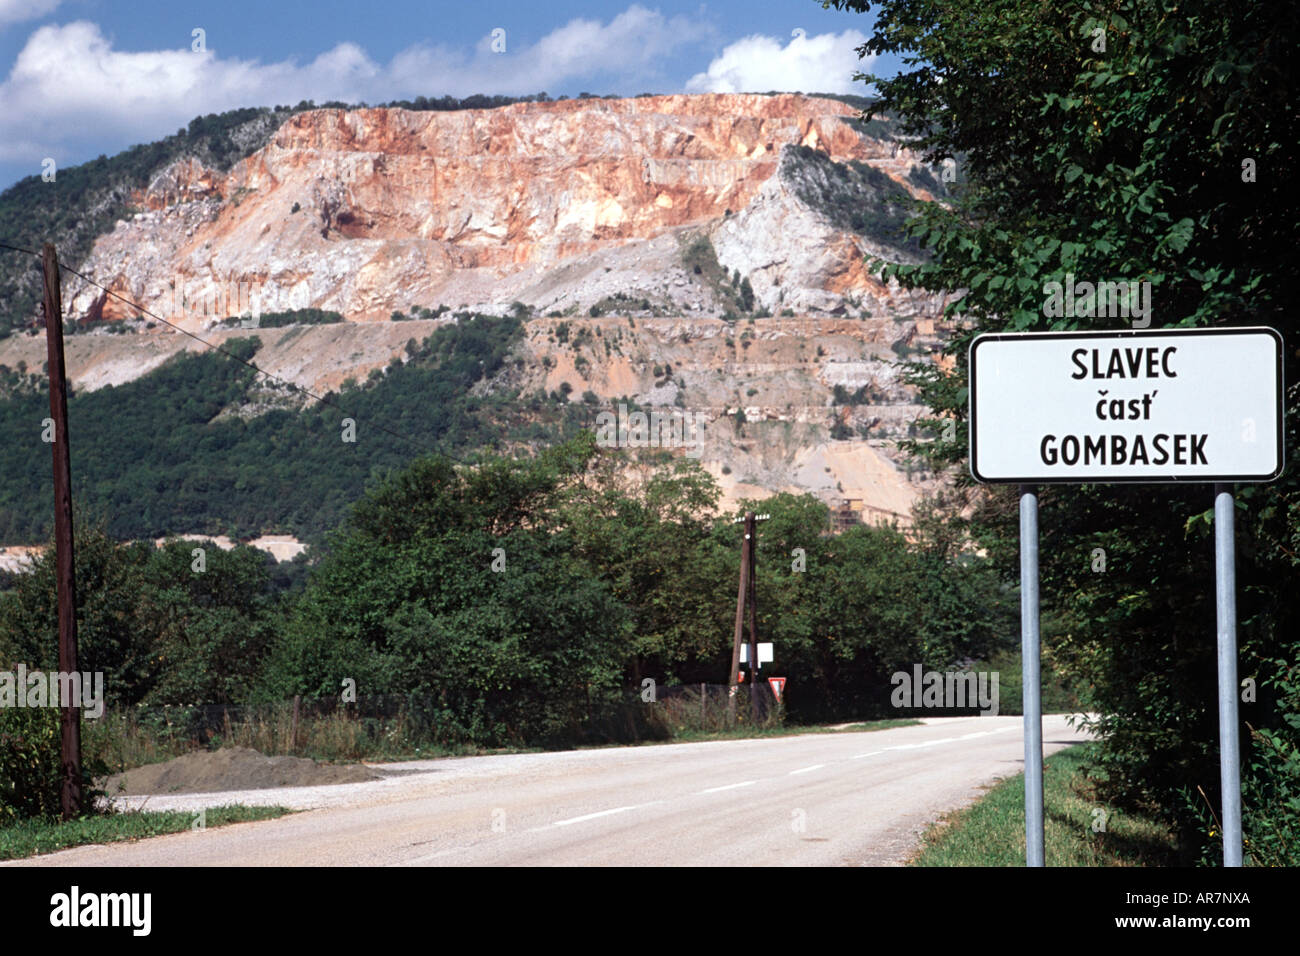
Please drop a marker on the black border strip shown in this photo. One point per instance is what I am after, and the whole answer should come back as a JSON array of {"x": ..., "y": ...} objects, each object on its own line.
[{"x": 1124, "y": 334}]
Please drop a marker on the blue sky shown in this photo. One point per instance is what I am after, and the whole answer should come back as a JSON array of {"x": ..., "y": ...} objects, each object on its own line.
[{"x": 85, "y": 77}]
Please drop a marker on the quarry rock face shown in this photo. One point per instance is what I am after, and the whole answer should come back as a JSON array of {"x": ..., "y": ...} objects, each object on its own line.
[
  {"x": 370, "y": 211},
  {"x": 591, "y": 211}
]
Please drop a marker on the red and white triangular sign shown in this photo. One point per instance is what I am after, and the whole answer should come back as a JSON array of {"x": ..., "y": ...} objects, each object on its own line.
[{"x": 778, "y": 687}]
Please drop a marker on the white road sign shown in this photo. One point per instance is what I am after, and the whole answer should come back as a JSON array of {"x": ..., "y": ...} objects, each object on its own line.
[{"x": 1162, "y": 405}]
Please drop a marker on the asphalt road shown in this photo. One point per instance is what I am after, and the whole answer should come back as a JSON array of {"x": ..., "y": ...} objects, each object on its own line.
[{"x": 811, "y": 800}]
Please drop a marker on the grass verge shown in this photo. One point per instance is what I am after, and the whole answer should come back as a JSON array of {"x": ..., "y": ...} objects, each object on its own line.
[
  {"x": 689, "y": 735},
  {"x": 124, "y": 740},
  {"x": 742, "y": 731},
  {"x": 991, "y": 832},
  {"x": 33, "y": 837}
]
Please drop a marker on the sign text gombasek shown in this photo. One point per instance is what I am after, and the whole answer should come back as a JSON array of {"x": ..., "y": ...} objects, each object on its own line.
[{"x": 1199, "y": 405}]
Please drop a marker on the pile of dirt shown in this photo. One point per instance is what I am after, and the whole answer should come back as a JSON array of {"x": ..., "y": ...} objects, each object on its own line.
[{"x": 235, "y": 768}]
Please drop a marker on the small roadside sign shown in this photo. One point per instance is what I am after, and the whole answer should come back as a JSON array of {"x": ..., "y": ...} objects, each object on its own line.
[
  {"x": 764, "y": 653},
  {"x": 1166, "y": 405},
  {"x": 778, "y": 687}
]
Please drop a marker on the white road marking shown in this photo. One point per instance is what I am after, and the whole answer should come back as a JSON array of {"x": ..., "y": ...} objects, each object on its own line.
[
  {"x": 730, "y": 786},
  {"x": 816, "y": 766},
  {"x": 934, "y": 743},
  {"x": 926, "y": 743},
  {"x": 422, "y": 860},
  {"x": 602, "y": 813}
]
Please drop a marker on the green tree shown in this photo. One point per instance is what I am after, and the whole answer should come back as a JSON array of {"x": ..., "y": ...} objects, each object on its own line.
[
  {"x": 209, "y": 629},
  {"x": 1121, "y": 141},
  {"x": 846, "y": 611},
  {"x": 460, "y": 584},
  {"x": 746, "y": 295},
  {"x": 647, "y": 533},
  {"x": 109, "y": 585},
  {"x": 161, "y": 631}
]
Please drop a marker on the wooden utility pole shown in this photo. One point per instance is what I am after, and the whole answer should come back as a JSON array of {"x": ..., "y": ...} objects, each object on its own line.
[
  {"x": 65, "y": 566},
  {"x": 751, "y": 539},
  {"x": 740, "y": 616},
  {"x": 746, "y": 600}
]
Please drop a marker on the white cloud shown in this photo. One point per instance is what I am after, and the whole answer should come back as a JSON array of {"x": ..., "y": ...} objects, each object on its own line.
[
  {"x": 631, "y": 45},
  {"x": 636, "y": 37},
  {"x": 13, "y": 11},
  {"x": 70, "y": 91},
  {"x": 814, "y": 64},
  {"x": 69, "y": 84}
]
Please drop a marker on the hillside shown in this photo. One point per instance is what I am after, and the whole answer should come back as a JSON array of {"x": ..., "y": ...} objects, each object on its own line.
[{"x": 719, "y": 236}]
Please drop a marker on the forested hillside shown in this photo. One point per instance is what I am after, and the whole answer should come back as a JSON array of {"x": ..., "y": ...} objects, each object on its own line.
[{"x": 181, "y": 451}]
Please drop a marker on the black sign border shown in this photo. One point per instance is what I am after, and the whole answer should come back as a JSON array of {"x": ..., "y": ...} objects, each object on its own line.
[{"x": 1131, "y": 333}]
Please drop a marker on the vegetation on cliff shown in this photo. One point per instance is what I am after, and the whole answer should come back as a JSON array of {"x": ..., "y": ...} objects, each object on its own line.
[{"x": 174, "y": 453}]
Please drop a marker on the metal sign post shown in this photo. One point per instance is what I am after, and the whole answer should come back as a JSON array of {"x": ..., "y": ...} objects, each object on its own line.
[
  {"x": 1032, "y": 685},
  {"x": 1156, "y": 406},
  {"x": 1225, "y": 592}
]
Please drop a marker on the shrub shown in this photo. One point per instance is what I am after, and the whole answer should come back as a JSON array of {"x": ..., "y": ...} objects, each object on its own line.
[
  {"x": 853, "y": 195},
  {"x": 275, "y": 320},
  {"x": 746, "y": 295},
  {"x": 31, "y": 775}
]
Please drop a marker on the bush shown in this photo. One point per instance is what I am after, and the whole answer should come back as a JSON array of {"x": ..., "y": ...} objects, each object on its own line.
[
  {"x": 31, "y": 775},
  {"x": 277, "y": 320},
  {"x": 1270, "y": 781}
]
